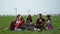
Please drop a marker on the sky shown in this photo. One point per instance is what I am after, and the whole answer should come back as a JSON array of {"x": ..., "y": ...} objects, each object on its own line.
[{"x": 25, "y": 7}]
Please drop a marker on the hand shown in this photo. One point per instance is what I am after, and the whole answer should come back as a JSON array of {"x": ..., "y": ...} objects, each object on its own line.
[{"x": 15, "y": 28}]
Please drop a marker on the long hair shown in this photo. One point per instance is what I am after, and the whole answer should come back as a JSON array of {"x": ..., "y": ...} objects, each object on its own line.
[{"x": 29, "y": 18}]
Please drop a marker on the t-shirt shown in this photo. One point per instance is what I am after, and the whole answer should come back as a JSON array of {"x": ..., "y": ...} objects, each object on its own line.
[
  {"x": 48, "y": 21},
  {"x": 40, "y": 21}
]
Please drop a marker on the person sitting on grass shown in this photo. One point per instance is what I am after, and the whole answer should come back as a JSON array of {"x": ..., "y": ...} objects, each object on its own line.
[
  {"x": 19, "y": 24},
  {"x": 48, "y": 23},
  {"x": 28, "y": 23},
  {"x": 39, "y": 23},
  {"x": 13, "y": 24}
]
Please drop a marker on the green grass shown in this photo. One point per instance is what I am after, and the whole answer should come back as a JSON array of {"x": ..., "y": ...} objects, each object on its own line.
[{"x": 5, "y": 22}]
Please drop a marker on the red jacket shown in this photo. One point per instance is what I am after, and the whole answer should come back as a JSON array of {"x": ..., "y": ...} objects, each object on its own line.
[{"x": 19, "y": 24}]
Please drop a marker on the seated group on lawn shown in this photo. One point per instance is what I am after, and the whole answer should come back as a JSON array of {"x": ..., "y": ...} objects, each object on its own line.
[{"x": 41, "y": 24}]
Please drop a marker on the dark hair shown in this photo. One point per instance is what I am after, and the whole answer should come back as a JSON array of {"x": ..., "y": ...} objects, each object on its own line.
[
  {"x": 29, "y": 16},
  {"x": 17, "y": 16},
  {"x": 40, "y": 15},
  {"x": 22, "y": 19},
  {"x": 48, "y": 16}
]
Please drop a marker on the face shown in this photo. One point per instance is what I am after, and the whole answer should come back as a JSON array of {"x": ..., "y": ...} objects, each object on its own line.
[
  {"x": 39, "y": 16},
  {"x": 47, "y": 18},
  {"x": 29, "y": 17}
]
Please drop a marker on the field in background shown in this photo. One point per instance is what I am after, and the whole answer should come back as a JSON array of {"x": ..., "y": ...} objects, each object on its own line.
[{"x": 5, "y": 22}]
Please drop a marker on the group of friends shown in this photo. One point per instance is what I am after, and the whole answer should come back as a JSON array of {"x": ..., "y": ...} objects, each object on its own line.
[{"x": 41, "y": 24}]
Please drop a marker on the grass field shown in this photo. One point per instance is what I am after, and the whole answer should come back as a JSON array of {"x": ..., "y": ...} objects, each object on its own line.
[{"x": 5, "y": 22}]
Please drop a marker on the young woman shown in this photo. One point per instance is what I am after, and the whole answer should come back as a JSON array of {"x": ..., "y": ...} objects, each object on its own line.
[
  {"x": 48, "y": 23},
  {"x": 19, "y": 24},
  {"x": 13, "y": 24},
  {"x": 40, "y": 23},
  {"x": 29, "y": 24}
]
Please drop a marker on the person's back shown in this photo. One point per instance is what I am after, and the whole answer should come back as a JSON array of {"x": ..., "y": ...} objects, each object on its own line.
[{"x": 12, "y": 25}]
